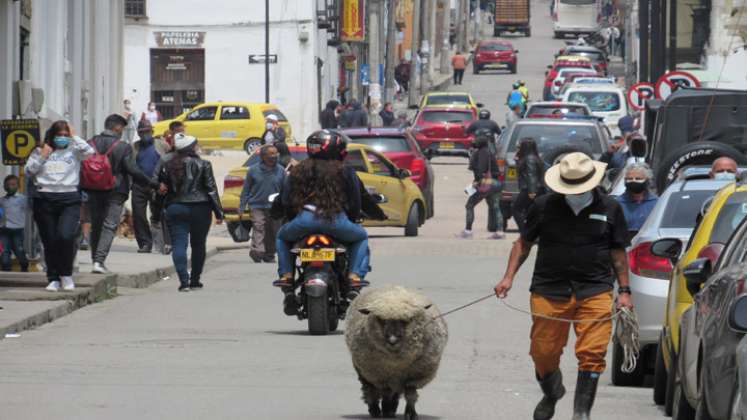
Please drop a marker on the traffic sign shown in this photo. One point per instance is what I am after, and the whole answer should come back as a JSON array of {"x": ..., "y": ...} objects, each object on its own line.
[
  {"x": 674, "y": 80},
  {"x": 19, "y": 138},
  {"x": 638, "y": 94}
]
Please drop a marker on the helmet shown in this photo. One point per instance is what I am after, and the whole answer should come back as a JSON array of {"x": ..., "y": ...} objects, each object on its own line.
[
  {"x": 483, "y": 137},
  {"x": 484, "y": 114},
  {"x": 516, "y": 85},
  {"x": 326, "y": 145},
  {"x": 522, "y": 83}
]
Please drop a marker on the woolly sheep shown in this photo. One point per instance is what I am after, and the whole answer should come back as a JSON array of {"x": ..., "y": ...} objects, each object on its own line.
[{"x": 396, "y": 340}]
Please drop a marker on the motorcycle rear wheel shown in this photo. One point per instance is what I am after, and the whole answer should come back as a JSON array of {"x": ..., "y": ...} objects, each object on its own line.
[{"x": 317, "y": 308}]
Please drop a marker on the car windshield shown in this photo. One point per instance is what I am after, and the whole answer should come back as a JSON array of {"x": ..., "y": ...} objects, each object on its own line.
[
  {"x": 593, "y": 56},
  {"x": 731, "y": 215},
  {"x": 494, "y": 47},
  {"x": 446, "y": 116},
  {"x": 447, "y": 99},
  {"x": 552, "y": 136},
  {"x": 683, "y": 208},
  {"x": 384, "y": 144},
  {"x": 537, "y": 110},
  {"x": 598, "y": 101},
  {"x": 298, "y": 155},
  {"x": 568, "y": 71}
]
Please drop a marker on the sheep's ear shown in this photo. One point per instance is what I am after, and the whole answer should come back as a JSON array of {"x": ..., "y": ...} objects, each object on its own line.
[
  {"x": 428, "y": 306},
  {"x": 364, "y": 311}
]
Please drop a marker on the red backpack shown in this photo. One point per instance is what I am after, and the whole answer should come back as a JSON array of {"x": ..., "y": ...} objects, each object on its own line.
[{"x": 96, "y": 172}]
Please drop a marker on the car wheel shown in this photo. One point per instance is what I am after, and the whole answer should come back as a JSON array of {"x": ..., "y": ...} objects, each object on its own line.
[
  {"x": 413, "y": 221},
  {"x": 660, "y": 377},
  {"x": 736, "y": 404},
  {"x": 620, "y": 378},
  {"x": 431, "y": 202},
  {"x": 557, "y": 35},
  {"x": 681, "y": 409},
  {"x": 669, "y": 398},
  {"x": 513, "y": 68},
  {"x": 528, "y": 33},
  {"x": 475, "y": 69},
  {"x": 251, "y": 145},
  {"x": 698, "y": 153}
]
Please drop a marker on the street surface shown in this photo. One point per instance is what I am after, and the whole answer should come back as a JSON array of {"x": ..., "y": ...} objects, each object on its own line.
[{"x": 229, "y": 352}]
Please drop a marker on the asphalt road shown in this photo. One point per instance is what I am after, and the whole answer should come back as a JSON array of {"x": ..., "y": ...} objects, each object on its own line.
[{"x": 229, "y": 352}]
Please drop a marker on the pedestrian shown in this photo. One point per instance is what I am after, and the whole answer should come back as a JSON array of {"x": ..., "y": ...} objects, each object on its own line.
[
  {"x": 387, "y": 115},
  {"x": 531, "y": 171},
  {"x": 130, "y": 131},
  {"x": 619, "y": 153},
  {"x": 629, "y": 123},
  {"x": 262, "y": 180},
  {"x": 485, "y": 186},
  {"x": 175, "y": 127},
  {"x": 147, "y": 159},
  {"x": 274, "y": 133},
  {"x": 582, "y": 235},
  {"x": 328, "y": 118},
  {"x": 401, "y": 121},
  {"x": 513, "y": 115},
  {"x": 615, "y": 41},
  {"x": 458, "y": 63},
  {"x": 638, "y": 200},
  {"x": 108, "y": 187},
  {"x": 54, "y": 169},
  {"x": 190, "y": 196},
  {"x": 14, "y": 207},
  {"x": 84, "y": 243},
  {"x": 354, "y": 116},
  {"x": 402, "y": 75},
  {"x": 152, "y": 115}
]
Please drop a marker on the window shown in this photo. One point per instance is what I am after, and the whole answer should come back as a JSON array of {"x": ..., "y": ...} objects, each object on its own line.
[
  {"x": 448, "y": 100},
  {"x": 578, "y": 2},
  {"x": 540, "y": 110},
  {"x": 495, "y": 47},
  {"x": 597, "y": 101},
  {"x": 384, "y": 144},
  {"x": 551, "y": 136},
  {"x": 232, "y": 112},
  {"x": 276, "y": 113},
  {"x": 683, "y": 208},
  {"x": 380, "y": 166},
  {"x": 354, "y": 160},
  {"x": 729, "y": 218},
  {"x": 446, "y": 116},
  {"x": 206, "y": 113},
  {"x": 135, "y": 8}
]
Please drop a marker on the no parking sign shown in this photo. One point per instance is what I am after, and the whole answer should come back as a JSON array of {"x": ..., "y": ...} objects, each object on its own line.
[
  {"x": 674, "y": 80},
  {"x": 638, "y": 94}
]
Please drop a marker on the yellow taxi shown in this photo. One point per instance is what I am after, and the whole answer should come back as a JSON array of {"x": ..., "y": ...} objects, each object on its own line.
[
  {"x": 707, "y": 241},
  {"x": 450, "y": 100},
  {"x": 398, "y": 195},
  {"x": 228, "y": 125}
]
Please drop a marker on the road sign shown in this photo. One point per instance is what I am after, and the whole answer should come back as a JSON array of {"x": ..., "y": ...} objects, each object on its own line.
[
  {"x": 260, "y": 58},
  {"x": 365, "y": 74},
  {"x": 638, "y": 94},
  {"x": 674, "y": 80},
  {"x": 19, "y": 138}
]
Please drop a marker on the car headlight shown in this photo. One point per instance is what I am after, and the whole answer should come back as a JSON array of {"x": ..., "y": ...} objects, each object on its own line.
[{"x": 738, "y": 314}]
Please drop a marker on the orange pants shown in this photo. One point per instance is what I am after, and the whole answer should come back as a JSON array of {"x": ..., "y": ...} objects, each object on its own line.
[{"x": 550, "y": 337}]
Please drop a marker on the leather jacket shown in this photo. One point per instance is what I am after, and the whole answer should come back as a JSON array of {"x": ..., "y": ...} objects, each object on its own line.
[
  {"x": 198, "y": 185},
  {"x": 531, "y": 172}
]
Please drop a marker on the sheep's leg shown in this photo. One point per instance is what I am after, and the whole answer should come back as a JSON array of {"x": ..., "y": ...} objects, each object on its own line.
[
  {"x": 389, "y": 405},
  {"x": 411, "y": 396},
  {"x": 371, "y": 396}
]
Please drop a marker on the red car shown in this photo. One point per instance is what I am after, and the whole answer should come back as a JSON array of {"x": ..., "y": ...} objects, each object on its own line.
[
  {"x": 552, "y": 73},
  {"x": 402, "y": 149},
  {"x": 442, "y": 131},
  {"x": 493, "y": 54}
]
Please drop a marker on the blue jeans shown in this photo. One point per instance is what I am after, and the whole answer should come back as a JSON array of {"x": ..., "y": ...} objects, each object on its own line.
[
  {"x": 189, "y": 224},
  {"x": 341, "y": 228},
  {"x": 12, "y": 240}
]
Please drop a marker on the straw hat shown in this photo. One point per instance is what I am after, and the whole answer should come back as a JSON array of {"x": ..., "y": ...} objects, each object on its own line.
[{"x": 576, "y": 173}]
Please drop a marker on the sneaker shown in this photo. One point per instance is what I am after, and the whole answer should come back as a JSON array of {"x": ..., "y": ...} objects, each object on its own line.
[
  {"x": 284, "y": 281},
  {"x": 255, "y": 256},
  {"x": 184, "y": 288},
  {"x": 84, "y": 246},
  {"x": 196, "y": 285},
  {"x": 497, "y": 235},
  {"x": 465, "y": 234},
  {"x": 67, "y": 283},
  {"x": 268, "y": 259},
  {"x": 53, "y": 286},
  {"x": 145, "y": 250},
  {"x": 166, "y": 250},
  {"x": 99, "y": 268}
]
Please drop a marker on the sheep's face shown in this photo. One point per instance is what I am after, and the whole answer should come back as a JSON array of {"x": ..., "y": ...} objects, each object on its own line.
[{"x": 392, "y": 335}]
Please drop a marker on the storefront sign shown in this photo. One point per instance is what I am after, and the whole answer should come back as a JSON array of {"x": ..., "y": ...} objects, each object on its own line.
[
  {"x": 180, "y": 39},
  {"x": 19, "y": 138},
  {"x": 353, "y": 21},
  {"x": 260, "y": 58}
]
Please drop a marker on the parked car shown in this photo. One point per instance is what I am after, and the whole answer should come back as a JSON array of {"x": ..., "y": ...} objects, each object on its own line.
[
  {"x": 228, "y": 125},
  {"x": 495, "y": 54},
  {"x": 706, "y": 241},
  {"x": 605, "y": 101},
  {"x": 401, "y": 200},
  {"x": 597, "y": 56},
  {"x": 402, "y": 149},
  {"x": 561, "y": 63},
  {"x": 450, "y": 100},
  {"x": 442, "y": 130},
  {"x": 550, "y": 108},
  {"x": 576, "y": 80},
  {"x": 559, "y": 80}
]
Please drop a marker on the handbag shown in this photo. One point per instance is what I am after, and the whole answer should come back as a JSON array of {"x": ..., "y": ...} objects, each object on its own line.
[
  {"x": 489, "y": 185},
  {"x": 239, "y": 232}
]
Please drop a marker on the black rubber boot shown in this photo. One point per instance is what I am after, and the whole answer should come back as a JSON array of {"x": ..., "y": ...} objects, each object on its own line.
[
  {"x": 290, "y": 304},
  {"x": 552, "y": 387},
  {"x": 586, "y": 391}
]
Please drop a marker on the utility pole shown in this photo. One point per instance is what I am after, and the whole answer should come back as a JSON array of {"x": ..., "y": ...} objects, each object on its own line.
[
  {"x": 445, "y": 35},
  {"x": 267, "y": 51},
  {"x": 432, "y": 16},
  {"x": 464, "y": 21},
  {"x": 391, "y": 51},
  {"x": 413, "y": 93},
  {"x": 426, "y": 47},
  {"x": 374, "y": 26}
]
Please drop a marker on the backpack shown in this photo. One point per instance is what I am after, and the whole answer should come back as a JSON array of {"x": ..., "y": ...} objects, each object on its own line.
[
  {"x": 96, "y": 172},
  {"x": 515, "y": 98}
]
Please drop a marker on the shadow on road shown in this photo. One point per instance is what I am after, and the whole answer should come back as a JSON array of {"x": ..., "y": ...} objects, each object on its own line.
[
  {"x": 303, "y": 332},
  {"x": 366, "y": 417}
]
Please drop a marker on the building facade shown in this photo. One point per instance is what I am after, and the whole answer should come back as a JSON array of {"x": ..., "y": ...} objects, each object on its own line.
[{"x": 180, "y": 54}]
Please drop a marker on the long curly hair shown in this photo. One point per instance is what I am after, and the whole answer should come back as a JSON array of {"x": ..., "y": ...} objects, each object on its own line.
[{"x": 319, "y": 183}]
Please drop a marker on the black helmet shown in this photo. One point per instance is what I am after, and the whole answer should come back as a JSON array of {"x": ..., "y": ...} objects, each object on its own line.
[
  {"x": 484, "y": 114},
  {"x": 326, "y": 145},
  {"x": 483, "y": 137}
]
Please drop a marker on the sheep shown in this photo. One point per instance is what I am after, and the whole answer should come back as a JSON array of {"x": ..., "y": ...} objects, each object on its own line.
[{"x": 396, "y": 339}]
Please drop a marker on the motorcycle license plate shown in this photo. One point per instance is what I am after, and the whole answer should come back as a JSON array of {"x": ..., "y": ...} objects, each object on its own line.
[
  {"x": 511, "y": 173},
  {"x": 315, "y": 255},
  {"x": 446, "y": 145}
]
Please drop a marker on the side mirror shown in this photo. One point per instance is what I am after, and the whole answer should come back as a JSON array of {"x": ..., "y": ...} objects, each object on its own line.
[
  {"x": 669, "y": 248},
  {"x": 480, "y": 105},
  {"x": 404, "y": 173},
  {"x": 516, "y": 51},
  {"x": 379, "y": 198},
  {"x": 696, "y": 273},
  {"x": 738, "y": 314}
]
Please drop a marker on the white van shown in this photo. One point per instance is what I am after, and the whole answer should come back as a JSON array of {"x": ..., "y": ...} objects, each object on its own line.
[
  {"x": 575, "y": 17},
  {"x": 605, "y": 101}
]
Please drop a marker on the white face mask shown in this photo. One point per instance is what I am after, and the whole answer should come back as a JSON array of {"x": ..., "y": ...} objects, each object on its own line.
[
  {"x": 152, "y": 108},
  {"x": 725, "y": 176},
  {"x": 268, "y": 126},
  {"x": 578, "y": 202}
]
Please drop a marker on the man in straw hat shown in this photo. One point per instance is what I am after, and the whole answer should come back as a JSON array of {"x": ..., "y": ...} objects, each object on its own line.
[{"x": 581, "y": 235}]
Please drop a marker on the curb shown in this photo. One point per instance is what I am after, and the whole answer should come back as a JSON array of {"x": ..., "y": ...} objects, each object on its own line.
[{"x": 148, "y": 278}]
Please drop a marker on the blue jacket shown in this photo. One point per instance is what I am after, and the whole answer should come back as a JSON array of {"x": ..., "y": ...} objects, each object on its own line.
[
  {"x": 636, "y": 213},
  {"x": 260, "y": 183},
  {"x": 147, "y": 157}
]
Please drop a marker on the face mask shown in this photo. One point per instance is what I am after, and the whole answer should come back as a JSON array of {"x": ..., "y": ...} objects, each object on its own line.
[
  {"x": 635, "y": 187},
  {"x": 578, "y": 202},
  {"x": 268, "y": 126},
  {"x": 11, "y": 191},
  {"x": 725, "y": 176},
  {"x": 152, "y": 108},
  {"x": 61, "y": 142}
]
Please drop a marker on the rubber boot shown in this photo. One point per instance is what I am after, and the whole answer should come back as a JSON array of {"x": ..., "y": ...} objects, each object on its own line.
[
  {"x": 552, "y": 387},
  {"x": 586, "y": 391}
]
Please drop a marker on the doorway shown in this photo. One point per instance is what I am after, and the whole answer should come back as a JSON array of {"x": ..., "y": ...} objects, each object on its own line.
[{"x": 177, "y": 80}]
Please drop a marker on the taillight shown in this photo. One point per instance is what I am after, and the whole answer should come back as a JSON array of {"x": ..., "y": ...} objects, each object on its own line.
[
  {"x": 232, "y": 181},
  {"x": 417, "y": 166},
  {"x": 313, "y": 239},
  {"x": 501, "y": 169},
  {"x": 643, "y": 263}
]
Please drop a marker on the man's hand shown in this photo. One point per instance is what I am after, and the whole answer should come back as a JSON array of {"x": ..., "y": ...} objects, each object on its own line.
[
  {"x": 46, "y": 151},
  {"x": 503, "y": 287},
  {"x": 624, "y": 300},
  {"x": 218, "y": 221},
  {"x": 163, "y": 189},
  {"x": 614, "y": 147},
  {"x": 531, "y": 196}
]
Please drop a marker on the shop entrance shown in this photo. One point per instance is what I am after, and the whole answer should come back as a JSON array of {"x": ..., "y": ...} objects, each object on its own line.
[{"x": 177, "y": 80}]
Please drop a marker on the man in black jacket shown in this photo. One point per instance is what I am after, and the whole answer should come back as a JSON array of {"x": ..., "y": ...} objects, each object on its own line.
[
  {"x": 485, "y": 186},
  {"x": 327, "y": 118},
  {"x": 354, "y": 117},
  {"x": 106, "y": 206}
]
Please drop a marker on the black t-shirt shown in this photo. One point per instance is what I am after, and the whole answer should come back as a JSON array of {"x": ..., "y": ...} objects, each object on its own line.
[
  {"x": 574, "y": 255},
  {"x": 484, "y": 125}
]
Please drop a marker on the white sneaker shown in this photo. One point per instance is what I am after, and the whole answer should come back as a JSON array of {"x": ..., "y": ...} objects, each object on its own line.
[
  {"x": 465, "y": 234},
  {"x": 99, "y": 268},
  {"x": 67, "y": 283},
  {"x": 53, "y": 286},
  {"x": 497, "y": 235}
]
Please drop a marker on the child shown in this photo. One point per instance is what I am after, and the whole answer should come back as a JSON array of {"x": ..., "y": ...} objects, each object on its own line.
[{"x": 14, "y": 206}]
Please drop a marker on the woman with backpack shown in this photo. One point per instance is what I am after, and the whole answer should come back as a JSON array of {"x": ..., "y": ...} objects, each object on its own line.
[
  {"x": 531, "y": 172},
  {"x": 55, "y": 170},
  {"x": 191, "y": 195}
]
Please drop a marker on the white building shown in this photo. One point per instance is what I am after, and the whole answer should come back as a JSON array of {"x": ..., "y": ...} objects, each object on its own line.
[
  {"x": 180, "y": 53},
  {"x": 726, "y": 55}
]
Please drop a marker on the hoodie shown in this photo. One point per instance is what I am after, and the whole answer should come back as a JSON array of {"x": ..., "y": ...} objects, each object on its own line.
[
  {"x": 60, "y": 171},
  {"x": 327, "y": 118},
  {"x": 355, "y": 117}
]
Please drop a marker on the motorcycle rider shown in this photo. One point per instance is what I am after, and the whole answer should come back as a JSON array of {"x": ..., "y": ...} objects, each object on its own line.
[
  {"x": 524, "y": 90},
  {"x": 320, "y": 195},
  {"x": 485, "y": 123},
  {"x": 516, "y": 97}
]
